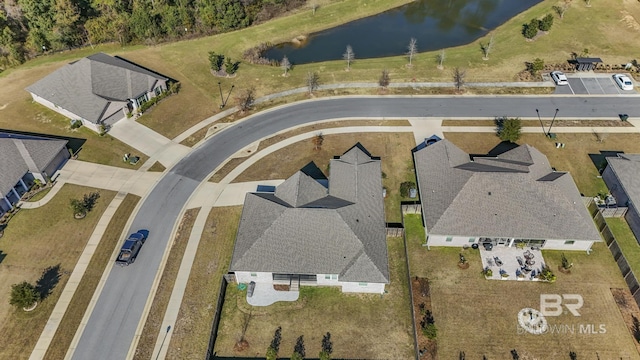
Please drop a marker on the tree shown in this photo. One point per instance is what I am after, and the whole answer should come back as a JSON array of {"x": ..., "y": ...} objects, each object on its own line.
[
  {"x": 23, "y": 295},
  {"x": 561, "y": 8},
  {"x": 384, "y": 79},
  {"x": 508, "y": 129},
  {"x": 313, "y": 81},
  {"x": 349, "y": 55},
  {"x": 216, "y": 61},
  {"x": 405, "y": 188},
  {"x": 285, "y": 65},
  {"x": 327, "y": 347},
  {"x": 530, "y": 30},
  {"x": 298, "y": 349},
  {"x": 486, "y": 48},
  {"x": 536, "y": 66},
  {"x": 274, "y": 347},
  {"x": 458, "y": 77},
  {"x": 82, "y": 207},
  {"x": 246, "y": 99},
  {"x": 440, "y": 58},
  {"x": 317, "y": 141},
  {"x": 412, "y": 49},
  {"x": 230, "y": 67},
  {"x": 546, "y": 23}
]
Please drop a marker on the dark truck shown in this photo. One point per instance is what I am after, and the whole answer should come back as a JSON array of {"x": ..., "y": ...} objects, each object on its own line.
[{"x": 131, "y": 247}]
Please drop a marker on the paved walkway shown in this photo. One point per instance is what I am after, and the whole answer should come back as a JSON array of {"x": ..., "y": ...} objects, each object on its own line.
[
  {"x": 264, "y": 295},
  {"x": 74, "y": 280}
]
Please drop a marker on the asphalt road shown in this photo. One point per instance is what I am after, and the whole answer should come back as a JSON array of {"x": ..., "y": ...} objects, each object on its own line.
[{"x": 112, "y": 325}]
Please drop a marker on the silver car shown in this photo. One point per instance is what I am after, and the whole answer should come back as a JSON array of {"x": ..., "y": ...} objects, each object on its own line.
[{"x": 559, "y": 78}]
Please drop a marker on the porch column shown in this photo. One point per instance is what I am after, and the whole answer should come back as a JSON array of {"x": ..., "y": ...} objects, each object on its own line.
[
  {"x": 24, "y": 186},
  {"x": 511, "y": 242},
  {"x": 8, "y": 202},
  {"x": 15, "y": 193}
]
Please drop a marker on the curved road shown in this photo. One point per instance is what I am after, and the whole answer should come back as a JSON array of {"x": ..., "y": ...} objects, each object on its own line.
[{"x": 113, "y": 322}]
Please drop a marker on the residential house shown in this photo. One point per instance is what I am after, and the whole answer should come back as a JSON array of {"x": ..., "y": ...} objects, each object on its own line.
[
  {"x": 622, "y": 176},
  {"x": 23, "y": 159},
  {"x": 314, "y": 232},
  {"x": 510, "y": 199},
  {"x": 98, "y": 90}
]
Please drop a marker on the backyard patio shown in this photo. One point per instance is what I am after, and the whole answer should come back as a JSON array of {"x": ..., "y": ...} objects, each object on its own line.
[
  {"x": 264, "y": 295},
  {"x": 512, "y": 263}
]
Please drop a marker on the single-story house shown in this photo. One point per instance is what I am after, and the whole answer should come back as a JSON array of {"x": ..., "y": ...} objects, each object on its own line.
[
  {"x": 23, "y": 159},
  {"x": 622, "y": 176},
  {"x": 510, "y": 199},
  {"x": 98, "y": 90},
  {"x": 314, "y": 232}
]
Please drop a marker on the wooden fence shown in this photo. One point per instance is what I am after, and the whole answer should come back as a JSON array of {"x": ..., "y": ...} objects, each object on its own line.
[
  {"x": 411, "y": 207},
  {"x": 619, "y": 211}
]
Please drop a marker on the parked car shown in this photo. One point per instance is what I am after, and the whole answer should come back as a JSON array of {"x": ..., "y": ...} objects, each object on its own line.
[
  {"x": 559, "y": 78},
  {"x": 131, "y": 247},
  {"x": 623, "y": 81}
]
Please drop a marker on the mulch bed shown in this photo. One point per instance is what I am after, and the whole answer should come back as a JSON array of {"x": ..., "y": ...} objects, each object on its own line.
[
  {"x": 630, "y": 312},
  {"x": 421, "y": 303}
]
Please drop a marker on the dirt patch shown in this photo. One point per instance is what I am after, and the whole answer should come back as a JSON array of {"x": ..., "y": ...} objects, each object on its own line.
[
  {"x": 421, "y": 293},
  {"x": 630, "y": 312},
  {"x": 629, "y": 21}
]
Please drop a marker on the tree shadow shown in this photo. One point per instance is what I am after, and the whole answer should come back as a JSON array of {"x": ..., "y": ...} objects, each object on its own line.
[
  {"x": 48, "y": 281},
  {"x": 600, "y": 160},
  {"x": 636, "y": 328}
]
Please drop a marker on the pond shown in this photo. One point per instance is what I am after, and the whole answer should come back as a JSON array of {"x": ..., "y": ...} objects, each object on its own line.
[{"x": 436, "y": 24}]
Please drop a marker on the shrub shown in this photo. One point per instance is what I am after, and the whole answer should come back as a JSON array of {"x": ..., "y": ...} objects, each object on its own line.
[
  {"x": 547, "y": 275},
  {"x": 405, "y": 187},
  {"x": 430, "y": 331},
  {"x": 546, "y": 23},
  {"x": 230, "y": 67},
  {"x": 508, "y": 129},
  {"x": 76, "y": 123},
  {"x": 487, "y": 272},
  {"x": 530, "y": 30},
  {"x": 23, "y": 295},
  {"x": 215, "y": 61},
  {"x": 565, "y": 262},
  {"x": 384, "y": 79}
]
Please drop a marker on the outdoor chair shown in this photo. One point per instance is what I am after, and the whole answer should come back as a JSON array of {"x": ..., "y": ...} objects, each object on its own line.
[{"x": 497, "y": 261}]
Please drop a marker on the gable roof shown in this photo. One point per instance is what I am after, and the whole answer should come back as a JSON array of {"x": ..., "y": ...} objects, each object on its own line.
[
  {"x": 88, "y": 87},
  {"x": 305, "y": 228},
  {"x": 20, "y": 154},
  {"x": 626, "y": 167},
  {"x": 514, "y": 195}
]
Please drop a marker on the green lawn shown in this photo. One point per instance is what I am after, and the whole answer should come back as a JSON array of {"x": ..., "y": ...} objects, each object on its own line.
[{"x": 627, "y": 241}]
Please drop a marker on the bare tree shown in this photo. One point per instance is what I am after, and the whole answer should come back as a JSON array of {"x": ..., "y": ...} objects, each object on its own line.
[
  {"x": 313, "y": 81},
  {"x": 314, "y": 7},
  {"x": 486, "y": 48},
  {"x": 440, "y": 58},
  {"x": 285, "y": 64},
  {"x": 561, "y": 8},
  {"x": 412, "y": 49},
  {"x": 588, "y": 2},
  {"x": 246, "y": 99},
  {"x": 349, "y": 55},
  {"x": 317, "y": 141},
  {"x": 458, "y": 77},
  {"x": 384, "y": 79}
]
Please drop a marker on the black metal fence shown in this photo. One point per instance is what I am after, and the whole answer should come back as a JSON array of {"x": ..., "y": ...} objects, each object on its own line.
[{"x": 216, "y": 319}]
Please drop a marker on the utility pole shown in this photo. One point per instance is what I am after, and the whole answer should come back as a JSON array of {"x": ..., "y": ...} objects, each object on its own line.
[
  {"x": 554, "y": 119},
  {"x": 541, "y": 124},
  {"x": 221, "y": 97},
  {"x": 229, "y": 94}
]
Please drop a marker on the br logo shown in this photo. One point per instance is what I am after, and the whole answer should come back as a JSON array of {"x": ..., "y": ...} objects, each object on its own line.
[{"x": 551, "y": 304}]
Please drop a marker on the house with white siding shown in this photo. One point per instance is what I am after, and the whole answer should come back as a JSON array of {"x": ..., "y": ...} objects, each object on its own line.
[
  {"x": 510, "y": 199},
  {"x": 312, "y": 231},
  {"x": 98, "y": 90},
  {"x": 622, "y": 176}
]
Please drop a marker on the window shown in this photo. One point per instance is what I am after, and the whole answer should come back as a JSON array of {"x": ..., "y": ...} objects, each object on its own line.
[
  {"x": 472, "y": 240},
  {"x": 363, "y": 284},
  {"x": 569, "y": 242},
  {"x": 158, "y": 91},
  {"x": 449, "y": 238},
  {"x": 334, "y": 277},
  {"x": 327, "y": 277},
  {"x": 254, "y": 274}
]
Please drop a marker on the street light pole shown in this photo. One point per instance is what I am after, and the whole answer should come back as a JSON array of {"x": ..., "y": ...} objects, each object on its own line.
[
  {"x": 554, "y": 119},
  {"x": 229, "y": 94},
  {"x": 541, "y": 124},
  {"x": 165, "y": 337},
  {"x": 221, "y": 97}
]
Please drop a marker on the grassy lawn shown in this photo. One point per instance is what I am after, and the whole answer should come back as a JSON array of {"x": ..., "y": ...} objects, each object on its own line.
[
  {"x": 393, "y": 149},
  {"x": 363, "y": 326},
  {"x": 574, "y": 158},
  {"x": 536, "y": 123},
  {"x": 626, "y": 240},
  {"x": 483, "y": 312},
  {"x": 608, "y": 29},
  {"x": 82, "y": 297},
  {"x": 190, "y": 337},
  {"x": 27, "y": 249},
  {"x": 163, "y": 293}
]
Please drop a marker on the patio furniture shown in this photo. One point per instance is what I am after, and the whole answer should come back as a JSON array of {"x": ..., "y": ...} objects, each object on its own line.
[
  {"x": 530, "y": 262},
  {"x": 488, "y": 246},
  {"x": 497, "y": 261},
  {"x": 489, "y": 261},
  {"x": 520, "y": 261}
]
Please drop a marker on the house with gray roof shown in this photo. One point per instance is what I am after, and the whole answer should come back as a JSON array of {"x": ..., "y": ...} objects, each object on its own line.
[
  {"x": 98, "y": 90},
  {"x": 311, "y": 231},
  {"x": 622, "y": 176},
  {"x": 24, "y": 158},
  {"x": 510, "y": 199}
]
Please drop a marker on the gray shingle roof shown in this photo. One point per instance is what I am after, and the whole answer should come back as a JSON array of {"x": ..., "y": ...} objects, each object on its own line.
[
  {"x": 20, "y": 154},
  {"x": 514, "y": 195},
  {"x": 87, "y": 87},
  {"x": 626, "y": 167},
  {"x": 305, "y": 228}
]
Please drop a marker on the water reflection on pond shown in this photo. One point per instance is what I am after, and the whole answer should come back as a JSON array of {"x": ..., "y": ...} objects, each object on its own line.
[{"x": 436, "y": 24}]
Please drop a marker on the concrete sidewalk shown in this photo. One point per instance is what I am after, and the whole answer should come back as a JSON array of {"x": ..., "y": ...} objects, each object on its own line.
[
  {"x": 534, "y": 129},
  {"x": 74, "y": 280},
  {"x": 108, "y": 177}
]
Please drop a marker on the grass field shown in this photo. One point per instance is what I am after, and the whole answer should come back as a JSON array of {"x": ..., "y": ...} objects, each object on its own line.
[
  {"x": 362, "y": 326},
  {"x": 393, "y": 149},
  {"x": 57, "y": 239},
  {"x": 86, "y": 288},
  {"x": 191, "y": 333},
  {"x": 627, "y": 241},
  {"x": 483, "y": 312},
  {"x": 574, "y": 158},
  {"x": 609, "y": 29}
]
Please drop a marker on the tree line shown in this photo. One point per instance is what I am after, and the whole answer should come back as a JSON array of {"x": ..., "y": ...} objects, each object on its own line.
[{"x": 32, "y": 27}]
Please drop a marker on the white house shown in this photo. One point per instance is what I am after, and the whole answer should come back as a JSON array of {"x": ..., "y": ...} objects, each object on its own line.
[
  {"x": 513, "y": 198},
  {"x": 312, "y": 232},
  {"x": 622, "y": 176},
  {"x": 98, "y": 90}
]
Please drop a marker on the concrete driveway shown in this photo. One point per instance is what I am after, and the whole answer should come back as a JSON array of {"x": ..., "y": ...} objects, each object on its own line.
[{"x": 591, "y": 84}]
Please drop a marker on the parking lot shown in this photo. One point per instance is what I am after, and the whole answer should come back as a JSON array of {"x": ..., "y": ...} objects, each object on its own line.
[{"x": 591, "y": 84}]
